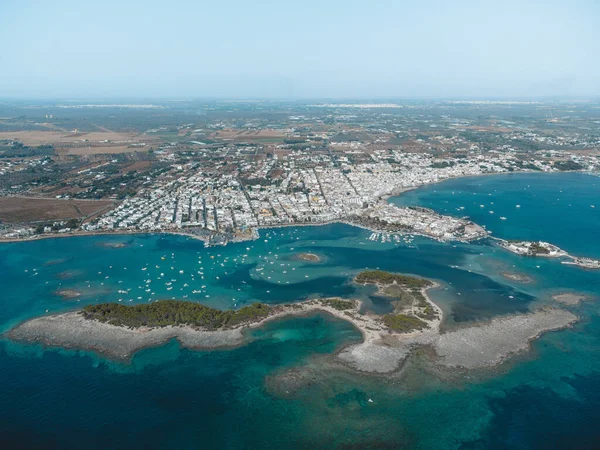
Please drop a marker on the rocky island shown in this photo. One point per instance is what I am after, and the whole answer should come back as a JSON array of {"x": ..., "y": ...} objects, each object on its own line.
[
  {"x": 118, "y": 331},
  {"x": 68, "y": 294},
  {"x": 310, "y": 257},
  {"x": 545, "y": 249},
  {"x": 532, "y": 248},
  {"x": 518, "y": 277}
]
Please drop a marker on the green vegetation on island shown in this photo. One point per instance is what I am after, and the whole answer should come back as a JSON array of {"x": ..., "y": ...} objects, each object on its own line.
[
  {"x": 532, "y": 247},
  {"x": 410, "y": 305},
  {"x": 403, "y": 323},
  {"x": 537, "y": 249},
  {"x": 340, "y": 305},
  {"x": 308, "y": 257},
  {"x": 381, "y": 277},
  {"x": 173, "y": 312},
  {"x": 427, "y": 313}
]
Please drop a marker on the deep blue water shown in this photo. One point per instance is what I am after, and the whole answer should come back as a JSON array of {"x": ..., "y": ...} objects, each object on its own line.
[
  {"x": 549, "y": 207},
  {"x": 169, "y": 397}
]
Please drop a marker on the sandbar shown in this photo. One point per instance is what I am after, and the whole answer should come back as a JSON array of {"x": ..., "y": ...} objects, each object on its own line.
[{"x": 569, "y": 298}]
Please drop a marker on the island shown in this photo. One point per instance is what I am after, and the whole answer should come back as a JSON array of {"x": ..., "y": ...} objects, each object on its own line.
[
  {"x": 118, "y": 331},
  {"x": 518, "y": 277},
  {"x": 68, "y": 294},
  {"x": 570, "y": 298},
  {"x": 112, "y": 244},
  {"x": 586, "y": 263},
  {"x": 412, "y": 309},
  {"x": 311, "y": 257},
  {"x": 545, "y": 249},
  {"x": 532, "y": 248}
]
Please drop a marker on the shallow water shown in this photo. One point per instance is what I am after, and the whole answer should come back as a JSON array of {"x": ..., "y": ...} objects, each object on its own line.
[{"x": 175, "y": 398}]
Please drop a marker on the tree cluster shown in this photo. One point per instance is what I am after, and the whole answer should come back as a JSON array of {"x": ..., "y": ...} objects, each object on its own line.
[
  {"x": 173, "y": 312},
  {"x": 381, "y": 277}
]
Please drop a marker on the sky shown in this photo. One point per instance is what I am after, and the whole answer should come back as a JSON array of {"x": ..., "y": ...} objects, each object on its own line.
[{"x": 371, "y": 49}]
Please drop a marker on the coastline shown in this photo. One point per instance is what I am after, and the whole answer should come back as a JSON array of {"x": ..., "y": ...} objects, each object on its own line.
[
  {"x": 395, "y": 192},
  {"x": 206, "y": 239},
  {"x": 519, "y": 249},
  {"x": 254, "y": 235},
  {"x": 381, "y": 351},
  {"x": 72, "y": 330}
]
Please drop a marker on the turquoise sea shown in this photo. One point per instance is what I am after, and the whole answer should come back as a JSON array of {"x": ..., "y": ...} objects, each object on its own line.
[
  {"x": 561, "y": 208},
  {"x": 279, "y": 390}
]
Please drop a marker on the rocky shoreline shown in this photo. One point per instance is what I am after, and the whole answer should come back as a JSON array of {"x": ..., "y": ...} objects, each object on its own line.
[
  {"x": 381, "y": 351},
  {"x": 475, "y": 347},
  {"x": 71, "y": 330},
  {"x": 570, "y": 298},
  {"x": 547, "y": 250},
  {"x": 68, "y": 294},
  {"x": 517, "y": 277},
  {"x": 309, "y": 257}
]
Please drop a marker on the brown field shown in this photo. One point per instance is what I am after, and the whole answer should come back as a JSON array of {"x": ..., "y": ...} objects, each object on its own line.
[
  {"x": 491, "y": 129},
  {"x": 74, "y": 143},
  {"x": 138, "y": 165},
  {"x": 24, "y": 209},
  {"x": 248, "y": 134},
  {"x": 93, "y": 165},
  {"x": 34, "y": 138},
  {"x": 82, "y": 151}
]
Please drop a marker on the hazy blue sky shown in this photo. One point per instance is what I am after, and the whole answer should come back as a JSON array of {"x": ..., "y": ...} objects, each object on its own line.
[{"x": 306, "y": 48}]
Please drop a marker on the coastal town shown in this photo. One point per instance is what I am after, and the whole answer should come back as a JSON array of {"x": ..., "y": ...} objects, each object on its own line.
[
  {"x": 221, "y": 180},
  {"x": 270, "y": 225},
  {"x": 353, "y": 193}
]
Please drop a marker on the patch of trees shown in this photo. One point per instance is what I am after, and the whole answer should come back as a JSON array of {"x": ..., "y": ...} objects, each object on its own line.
[
  {"x": 403, "y": 323},
  {"x": 18, "y": 150},
  {"x": 428, "y": 313},
  {"x": 173, "y": 312},
  {"x": 340, "y": 305},
  {"x": 524, "y": 166},
  {"x": 536, "y": 249},
  {"x": 381, "y": 277},
  {"x": 567, "y": 165},
  {"x": 55, "y": 226}
]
